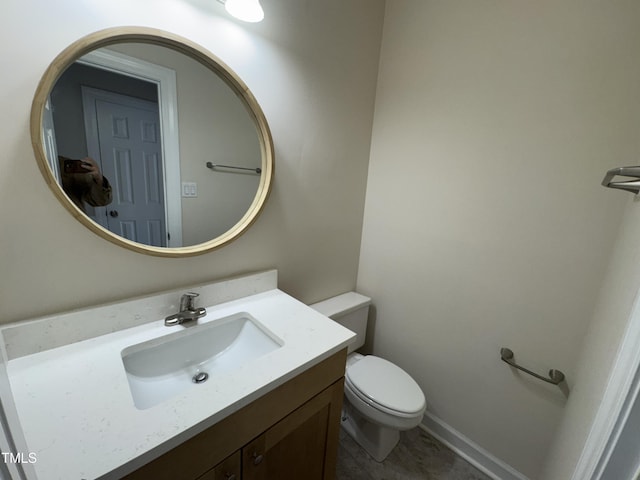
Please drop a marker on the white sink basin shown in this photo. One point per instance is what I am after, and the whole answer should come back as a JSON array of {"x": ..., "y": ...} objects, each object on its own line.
[{"x": 163, "y": 367}]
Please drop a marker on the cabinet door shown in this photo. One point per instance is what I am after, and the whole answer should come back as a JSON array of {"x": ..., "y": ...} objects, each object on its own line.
[
  {"x": 303, "y": 445},
  {"x": 228, "y": 469}
]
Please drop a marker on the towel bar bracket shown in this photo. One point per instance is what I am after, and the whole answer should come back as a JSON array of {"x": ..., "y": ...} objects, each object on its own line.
[{"x": 632, "y": 186}]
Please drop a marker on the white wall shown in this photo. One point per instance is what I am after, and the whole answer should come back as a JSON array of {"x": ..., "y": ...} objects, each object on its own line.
[
  {"x": 610, "y": 320},
  {"x": 312, "y": 67},
  {"x": 485, "y": 222}
]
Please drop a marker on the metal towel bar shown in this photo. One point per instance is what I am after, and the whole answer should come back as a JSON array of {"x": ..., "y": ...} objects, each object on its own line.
[
  {"x": 632, "y": 186},
  {"x": 213, "y": 166},
  {"x": 555, "y": 376}
]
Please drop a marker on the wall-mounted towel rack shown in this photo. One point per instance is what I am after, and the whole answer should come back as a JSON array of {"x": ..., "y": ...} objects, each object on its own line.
[
  {"x": 555, "y": 376},
  {"x": 632, "y": 186},
  {"x": 213, "y": 166}
]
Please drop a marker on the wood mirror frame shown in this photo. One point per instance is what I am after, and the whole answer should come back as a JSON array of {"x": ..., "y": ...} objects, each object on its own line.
[{"x": 120, "y": 35}]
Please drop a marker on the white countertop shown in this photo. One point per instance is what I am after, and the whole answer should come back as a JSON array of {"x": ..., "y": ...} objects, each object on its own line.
[{"x": 78, "y": 415}]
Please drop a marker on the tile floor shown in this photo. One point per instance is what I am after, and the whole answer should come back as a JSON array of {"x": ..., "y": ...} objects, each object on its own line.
[{"x": 418, "y": 456}]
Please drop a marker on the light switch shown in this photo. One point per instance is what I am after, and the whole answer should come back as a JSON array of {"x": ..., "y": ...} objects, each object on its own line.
[{"x": 189, "y": 189}]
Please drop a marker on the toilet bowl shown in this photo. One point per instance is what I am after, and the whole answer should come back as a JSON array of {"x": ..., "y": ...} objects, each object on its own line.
[{"x": 381, "y": 399}]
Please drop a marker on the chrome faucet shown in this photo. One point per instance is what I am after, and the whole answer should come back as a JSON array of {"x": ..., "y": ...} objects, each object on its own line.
[{"x": 188, "y": 312}]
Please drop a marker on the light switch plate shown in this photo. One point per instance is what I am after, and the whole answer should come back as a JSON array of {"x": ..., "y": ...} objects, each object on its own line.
[{"x": 189, "y": 189}]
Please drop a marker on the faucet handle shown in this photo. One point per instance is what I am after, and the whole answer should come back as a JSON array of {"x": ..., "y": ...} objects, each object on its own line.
[{"x": 186, "y": 301}]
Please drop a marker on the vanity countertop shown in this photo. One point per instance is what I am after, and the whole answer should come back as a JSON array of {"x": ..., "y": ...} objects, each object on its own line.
[{"x": 78, "y": 415}]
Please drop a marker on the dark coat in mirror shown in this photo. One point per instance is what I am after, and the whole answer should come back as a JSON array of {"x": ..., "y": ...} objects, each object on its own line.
[{"x": 83, "y": 182}]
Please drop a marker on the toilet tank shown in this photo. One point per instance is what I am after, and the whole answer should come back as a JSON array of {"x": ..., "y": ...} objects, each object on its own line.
[{"x": 351, "y": 310}]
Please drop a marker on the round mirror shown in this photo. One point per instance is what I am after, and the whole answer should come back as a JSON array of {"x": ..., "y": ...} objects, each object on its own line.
[{"x": 152, "y": 142}]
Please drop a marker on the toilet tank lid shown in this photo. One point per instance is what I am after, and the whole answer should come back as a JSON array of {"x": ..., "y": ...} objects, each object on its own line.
[{"x": 341, "y": 304}]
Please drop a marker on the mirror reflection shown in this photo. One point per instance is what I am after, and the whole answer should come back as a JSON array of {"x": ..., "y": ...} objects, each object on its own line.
[{"x": 128, "y": 131}]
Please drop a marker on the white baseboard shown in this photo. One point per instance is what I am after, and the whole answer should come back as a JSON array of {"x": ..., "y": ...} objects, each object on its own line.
[{"x": 469, "y": 450}]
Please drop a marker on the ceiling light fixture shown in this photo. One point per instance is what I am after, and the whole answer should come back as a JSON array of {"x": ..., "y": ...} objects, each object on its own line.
[{"x": 245, "y": 10}]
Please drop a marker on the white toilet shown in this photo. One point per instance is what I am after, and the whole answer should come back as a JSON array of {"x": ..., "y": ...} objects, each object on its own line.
[{"x": 381, "y": 399}]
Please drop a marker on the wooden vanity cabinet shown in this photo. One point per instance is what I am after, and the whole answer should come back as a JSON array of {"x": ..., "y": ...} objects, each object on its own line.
[
  {"x": 290, "y": 433},
  {"x": 229, "y": 469}
]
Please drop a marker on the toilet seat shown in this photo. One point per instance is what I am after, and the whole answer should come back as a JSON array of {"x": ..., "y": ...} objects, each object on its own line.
[{"x": 385, "y": 386}]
